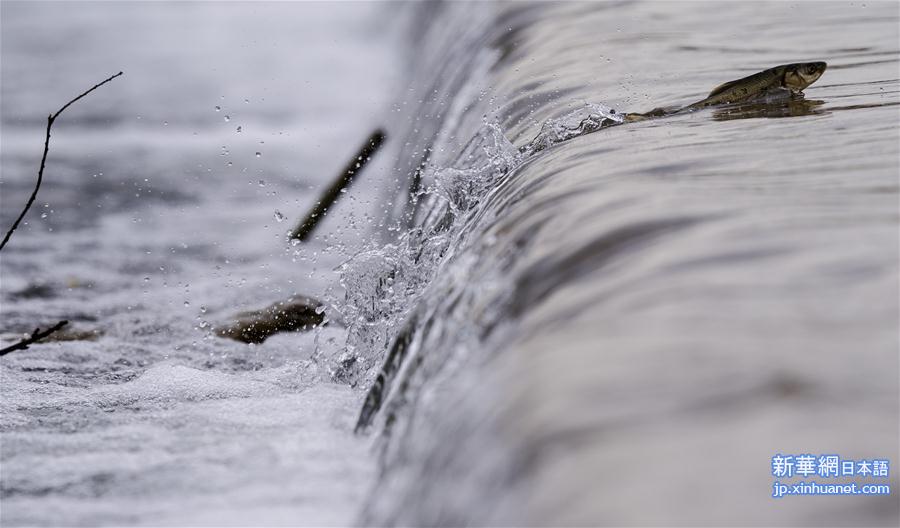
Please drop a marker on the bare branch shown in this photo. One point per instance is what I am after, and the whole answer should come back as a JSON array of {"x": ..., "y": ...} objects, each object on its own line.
[
  {"x": 50, "y": 119},
  {"x": 89, "y": 90},
  {"x": 36, "y": 336}
]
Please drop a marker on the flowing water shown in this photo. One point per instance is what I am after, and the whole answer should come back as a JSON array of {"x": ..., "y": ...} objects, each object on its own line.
[
  {"x": 561, "y": 320},
  {"x": 166, "y": 200}
]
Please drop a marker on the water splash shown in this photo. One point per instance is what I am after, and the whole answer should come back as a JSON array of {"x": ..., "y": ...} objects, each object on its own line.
[
  {"x": 386, "y": 286},
  {"x": 463, "y": 186},
  {"x": 589, "y": 118}
]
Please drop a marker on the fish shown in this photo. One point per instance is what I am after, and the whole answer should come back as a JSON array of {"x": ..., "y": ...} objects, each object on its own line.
[{"x": 786, "y": 78}]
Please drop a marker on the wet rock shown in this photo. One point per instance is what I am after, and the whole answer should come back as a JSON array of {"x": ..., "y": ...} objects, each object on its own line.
[
  {"x": 34, "y": 291},
  {"x": 297, "y": 314},
  {"x": 73, "y": 334}
]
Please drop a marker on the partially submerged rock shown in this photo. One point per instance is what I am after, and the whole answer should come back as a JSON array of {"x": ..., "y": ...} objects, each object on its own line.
[
  {"x": 296, "y": 314},
  {"x": 74, "y": 334}
]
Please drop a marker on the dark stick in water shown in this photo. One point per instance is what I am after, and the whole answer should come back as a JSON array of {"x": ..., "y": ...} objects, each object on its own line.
[
  {"x": 356, "y": 164},
  {"x": 35, "y": 336}
]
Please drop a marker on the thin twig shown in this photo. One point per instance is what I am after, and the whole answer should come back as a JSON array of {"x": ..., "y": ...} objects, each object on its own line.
[
  {"x": 50, "y": 119},
  {"x": 36, "y": 336}
]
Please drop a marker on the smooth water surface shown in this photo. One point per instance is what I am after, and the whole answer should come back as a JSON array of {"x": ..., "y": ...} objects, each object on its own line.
[{"x": 624, "y": 328}]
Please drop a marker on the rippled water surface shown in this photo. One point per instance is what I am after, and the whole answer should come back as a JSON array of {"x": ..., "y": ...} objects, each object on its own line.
[
  {"x": 163, "y": 212},
  {"x": 618, "y": 328}
]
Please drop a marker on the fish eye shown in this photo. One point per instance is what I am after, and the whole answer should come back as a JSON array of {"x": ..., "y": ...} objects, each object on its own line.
[{"x": 811, "y": 69}]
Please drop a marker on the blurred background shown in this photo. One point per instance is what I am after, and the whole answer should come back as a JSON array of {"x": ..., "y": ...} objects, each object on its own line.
[{"x": 163, "y": 212}]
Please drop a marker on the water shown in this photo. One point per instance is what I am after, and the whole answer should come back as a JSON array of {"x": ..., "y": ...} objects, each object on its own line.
[
  {"x": 160, "y": 219},
  {"x": 624, "y": 328},
  {"x": 619, "y": 328}
]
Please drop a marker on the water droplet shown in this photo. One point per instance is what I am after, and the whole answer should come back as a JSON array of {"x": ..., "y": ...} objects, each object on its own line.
[
  {"x": 279, "y": 217},
  {"x": 218, "y": 108},
  {"x": 262, "y": 183},
  {"x": 43, "y": 215},
  {"x": 227, "y": 118},
  {"x": 203, "y": 309},
  {"x": 320, "y": 309},
  {"x": 239, "y": 129},
  {"x": 258, "y": 154},
  {"x": 146, "y": 279},
  {"x": 187, "y": 303}
]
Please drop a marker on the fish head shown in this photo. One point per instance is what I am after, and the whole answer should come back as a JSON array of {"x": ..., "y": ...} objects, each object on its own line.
[{"x": 800, "y": 75}]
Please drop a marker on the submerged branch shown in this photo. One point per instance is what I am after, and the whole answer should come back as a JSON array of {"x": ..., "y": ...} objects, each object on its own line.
[
  {"x": 36, "y": 336},
  {"x": 50, "y": 119}
]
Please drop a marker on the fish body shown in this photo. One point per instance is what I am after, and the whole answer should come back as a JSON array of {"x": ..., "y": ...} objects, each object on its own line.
[{"x": 792, "y": 78}]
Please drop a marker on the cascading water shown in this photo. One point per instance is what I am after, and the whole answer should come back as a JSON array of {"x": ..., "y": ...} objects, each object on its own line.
[
  {"x": 381, "y": 284},
  {"x": 527, "y": 305}
]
